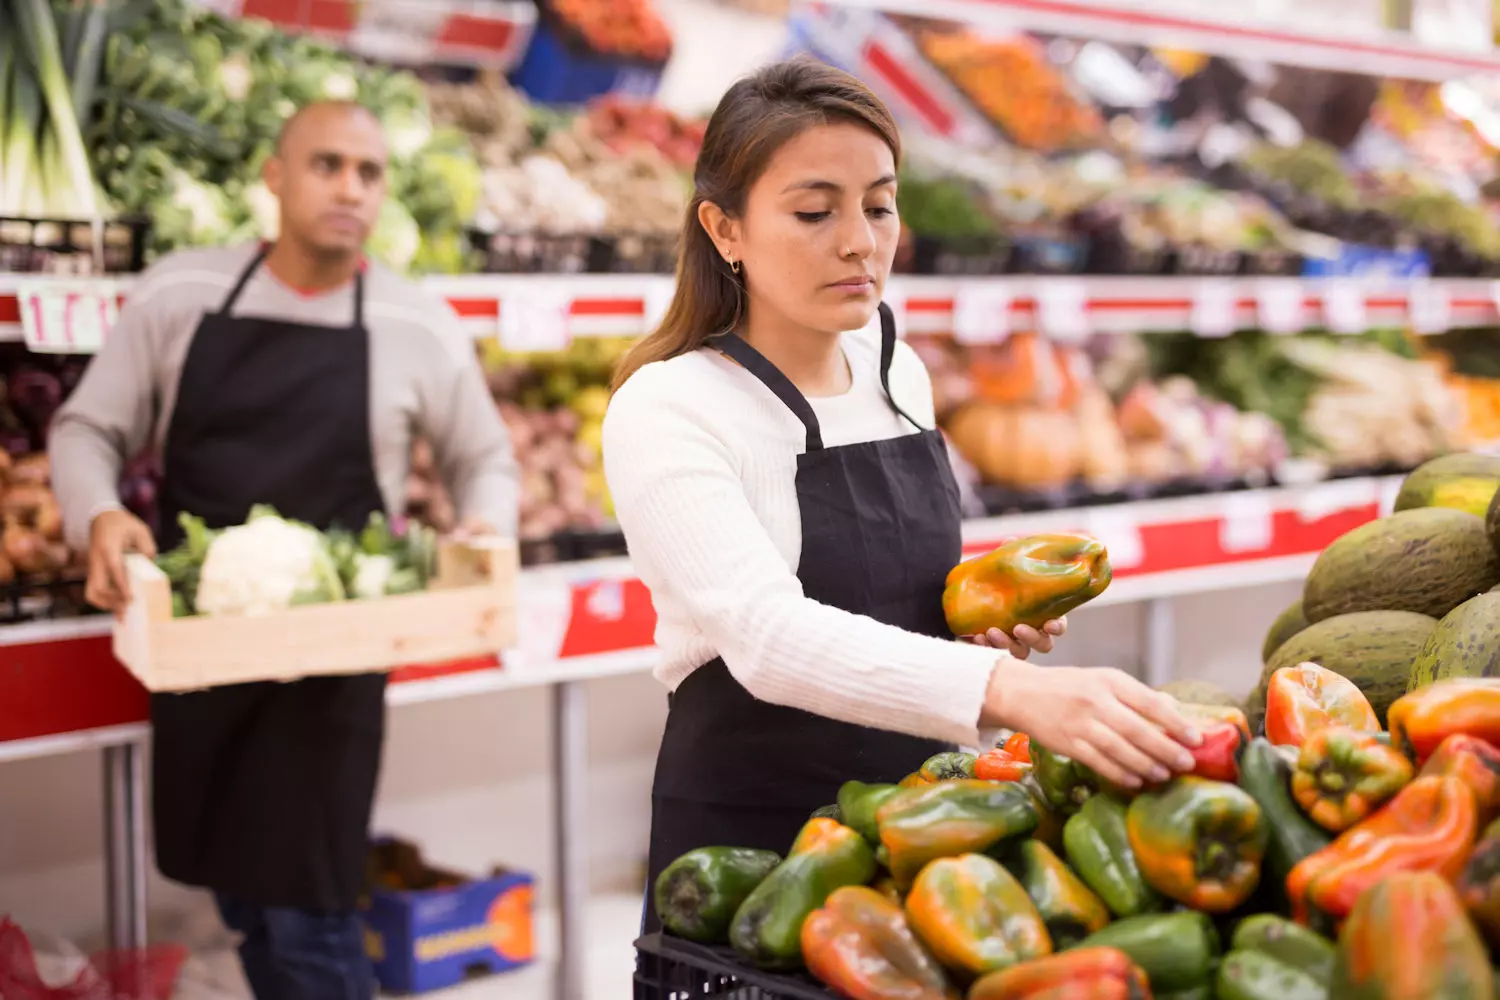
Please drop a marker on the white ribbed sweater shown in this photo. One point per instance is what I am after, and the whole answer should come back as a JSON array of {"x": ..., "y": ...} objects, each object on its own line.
[{"x": 701, "y": 460}]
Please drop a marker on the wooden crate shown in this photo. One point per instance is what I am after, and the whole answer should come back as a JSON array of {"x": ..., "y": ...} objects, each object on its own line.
[{"x": 468, "y": 610}]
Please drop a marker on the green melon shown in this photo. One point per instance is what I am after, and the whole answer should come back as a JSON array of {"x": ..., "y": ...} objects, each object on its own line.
[
  {"x": 1466, "y": 643},
  {"x": 1463, "y": 481},
  {"x": 1427, "y": 561},
  {"x": 1374, "y": 649},
  {"x": 1287, "y": 624},
  {"x": 1492, "y": 522},
  {"x": 1197, "y": 692}
]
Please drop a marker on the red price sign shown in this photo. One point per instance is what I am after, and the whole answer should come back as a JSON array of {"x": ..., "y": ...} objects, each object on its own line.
[{"x": 67, "y": 317}]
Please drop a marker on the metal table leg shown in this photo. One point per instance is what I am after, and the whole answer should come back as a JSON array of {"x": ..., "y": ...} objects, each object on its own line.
[
  {"x": 570, "y": 780},
  {"x": 1160, "y": 652},
  {"x": 125, "y": 845}
]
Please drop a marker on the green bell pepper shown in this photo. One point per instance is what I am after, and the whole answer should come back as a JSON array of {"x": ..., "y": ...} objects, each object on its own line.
[
  {"x": 948, "y": 766},
  {"x": 1066, "y": 784},
  {"x": 949, "y": 819},
  {"x": 1266, "y": 775},
  {"x": 1272, "y": 958},
  {"x": 1177, "y": 951},
  {"x": 697, "y": 895},
  {"x": 1097, "y": 845},
  {"x": 858, "y": 804},
  {"x": 767, "y": 928}
]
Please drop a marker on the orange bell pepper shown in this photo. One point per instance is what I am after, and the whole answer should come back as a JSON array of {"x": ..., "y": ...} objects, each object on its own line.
[
  {"x": 1344, "y": 775},
  {"x": 1027, "y": 581},
  {"x": 1479, "y": 884},
  {"x": 1080, "y": 974},
  {"x": 1199, "y": 842},
  {"x": 1000, "y": 765},
  {"x": 1303, "y": 699},
  {"x": 1430, "y": 825},
  {"x": 1019, "y": 747},
  {"x": 1475, "y": 763},
  {"x": 860, "y": 944},
  {"x": 1407, "y": 939},
  {"x": 975, "y": 916},
  {"x": 1422, "y": 719}
]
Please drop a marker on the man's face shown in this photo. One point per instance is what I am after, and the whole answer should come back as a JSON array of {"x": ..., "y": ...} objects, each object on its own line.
[{"x": 329, "y": 176}]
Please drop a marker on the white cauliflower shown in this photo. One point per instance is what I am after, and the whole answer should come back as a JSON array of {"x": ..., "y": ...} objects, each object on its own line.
[
  {"x": 372, "y": 575},
  {"x": 266, "y": 565}
]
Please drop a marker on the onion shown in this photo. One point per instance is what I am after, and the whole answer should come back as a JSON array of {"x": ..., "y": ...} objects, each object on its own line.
[
  {"x": 22, "y": 500},
  {"x": 49, "y": 522},
  {"x": 36, "y": 468},
  {"x": 26, "y": 549}
]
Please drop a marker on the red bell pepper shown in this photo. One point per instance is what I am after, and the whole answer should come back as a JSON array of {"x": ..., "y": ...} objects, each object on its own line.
[
  {"x": 1303, "y": 699},
  {"x": 1422, "y": 719},
  {"x": 1217, "y": 757},
  {"x": 1475, "y": 763},
  {"x": 1019, "y": 747}
]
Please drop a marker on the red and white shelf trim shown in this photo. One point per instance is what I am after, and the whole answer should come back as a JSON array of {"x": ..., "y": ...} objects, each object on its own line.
[
  {"x": 1218, "y": 32},
  {"x": 62, "y": 689},
  {"x": 544, "y": 312}
]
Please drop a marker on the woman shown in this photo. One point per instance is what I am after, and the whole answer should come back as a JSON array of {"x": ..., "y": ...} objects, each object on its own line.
[{"x": 793, "y": 511}]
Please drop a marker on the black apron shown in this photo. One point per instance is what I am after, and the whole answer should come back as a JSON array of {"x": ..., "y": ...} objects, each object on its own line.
[
  {"x": 881, "y": 528},
  {"x": 262, "y": 792}
]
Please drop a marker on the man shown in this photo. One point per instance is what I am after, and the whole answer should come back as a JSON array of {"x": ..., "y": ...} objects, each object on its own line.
[{"x": 293, "y": 375}]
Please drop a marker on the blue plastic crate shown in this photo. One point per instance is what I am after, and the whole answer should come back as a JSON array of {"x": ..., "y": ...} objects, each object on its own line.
[
  {"x": 1358, "y": 261},
  {"x": 558, "y": 70},
  {"x": 423, "y": 940}
]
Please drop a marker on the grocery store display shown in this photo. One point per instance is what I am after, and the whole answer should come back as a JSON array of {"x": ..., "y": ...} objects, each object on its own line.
[{"x": 1029, "y": 581}]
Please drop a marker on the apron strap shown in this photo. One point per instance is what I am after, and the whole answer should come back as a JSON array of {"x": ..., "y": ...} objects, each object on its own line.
[
  {"x": 359, "y": 299},
  {"x": 244, "y": 279},
  {"x": 887, "y": 353},
  {"x": 772, "y": 378}
]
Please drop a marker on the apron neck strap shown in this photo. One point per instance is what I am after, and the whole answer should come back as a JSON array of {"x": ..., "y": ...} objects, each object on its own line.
[
  {"x": 887, "y": 354},
  {"x": 244, "y": 279},
  {"x": 772, "y": 378},
  {"x": 259, "y": 258}
]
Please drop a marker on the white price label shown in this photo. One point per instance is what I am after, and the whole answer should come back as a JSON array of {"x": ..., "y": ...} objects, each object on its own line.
[
  {"x": 1390, "y": 488},
  {"x": 1281, "y": 306},
  {"x": 1495, "y": 295},
  {"x": 536, "y": 321},
  {"x": 607, "y": 600},
  {"x": 66, "y": 317},
  {"x": 1429, "y": 308},
  {"x": 1062, "y": 310},
  {"x": 1332, "y": 498},
  {"x": 981, "y": 313},
  {"x": 1121, "y": 537},
  {"x": 1215, "y": 305},
  {"x": 1248, "y": 523},
  {"x": 1344, "y": 307},
  {"x": 655, "y": 300}
]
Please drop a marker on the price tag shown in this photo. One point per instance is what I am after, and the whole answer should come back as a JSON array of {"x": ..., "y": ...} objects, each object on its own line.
[
  {"x": 606, "y": 601},
  {"x": 1121, "y": 536},
  {"x": 655, "y": 300},
  {"x": 1429, "y": 308},
  {"x": 1062, "y": 310},
  {"x": 1248, "y": 523},
  {"x": 1215, "y": 304},
  {"x": 536, "y": 321},
  {"x": 67, "y": 317},
  {"x": 1344, "y": 307},
  {"x": 1281, "y": 306},
  {"x": 981, "y": 313},
  {"x": 1332, "y": 498}
]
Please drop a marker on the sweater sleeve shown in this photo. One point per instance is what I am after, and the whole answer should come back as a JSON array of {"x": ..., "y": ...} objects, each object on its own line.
[
  {"x": 107, "y": 419},
  {"x": 693, "y": 533}
]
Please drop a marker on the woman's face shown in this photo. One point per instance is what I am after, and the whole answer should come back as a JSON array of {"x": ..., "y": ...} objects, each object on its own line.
[{"x": 819, "y": 230}]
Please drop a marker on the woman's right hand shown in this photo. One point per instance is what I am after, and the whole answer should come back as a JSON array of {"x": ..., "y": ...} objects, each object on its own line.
[{"x": 1099, "y": 716}]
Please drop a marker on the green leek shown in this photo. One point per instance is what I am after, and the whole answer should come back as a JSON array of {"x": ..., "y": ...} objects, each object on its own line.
[{"x": 38, "y": 38}]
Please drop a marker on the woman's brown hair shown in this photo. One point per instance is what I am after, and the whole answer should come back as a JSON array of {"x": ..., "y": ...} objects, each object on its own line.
[{"x": 754, "y": 119}]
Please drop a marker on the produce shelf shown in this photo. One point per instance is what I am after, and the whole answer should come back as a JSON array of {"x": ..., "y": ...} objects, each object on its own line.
[
  {"x": 1378, "y": 52},
  {"x": 670, "y": 968},
  {"x": 558, "y": 308},
  {"x": 585, "y": 620}
]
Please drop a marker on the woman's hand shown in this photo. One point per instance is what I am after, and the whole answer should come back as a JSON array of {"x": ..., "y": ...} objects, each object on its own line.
[
  {"x": 1025, "y": 639},
  {"x": 1100, "y": 716}
]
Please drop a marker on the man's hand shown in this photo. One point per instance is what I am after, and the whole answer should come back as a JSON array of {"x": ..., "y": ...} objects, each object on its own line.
[{"x": 112, "y": 535}]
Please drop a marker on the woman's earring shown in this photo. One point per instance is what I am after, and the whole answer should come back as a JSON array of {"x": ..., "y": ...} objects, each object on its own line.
[{"x": 734, "y": 265}]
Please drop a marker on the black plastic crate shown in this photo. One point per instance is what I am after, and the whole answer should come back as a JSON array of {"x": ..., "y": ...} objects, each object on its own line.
[
  {"x": 572, "y": 546},
  {"x": 669, "y": 968},
  {"x": 542, "y": 253},
  {"x": 955, "y": 256},
  {"x": 643, "y": 253},
  {"x": 30, "y": 600},
  {"x": 66, "y": 247}
]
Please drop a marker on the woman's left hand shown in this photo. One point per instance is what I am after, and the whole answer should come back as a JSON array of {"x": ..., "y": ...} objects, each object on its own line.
[{"x": 1025, "y": 638}]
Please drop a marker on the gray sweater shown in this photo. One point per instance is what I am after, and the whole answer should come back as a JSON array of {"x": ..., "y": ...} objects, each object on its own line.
[{"x": 424, "y": 379}]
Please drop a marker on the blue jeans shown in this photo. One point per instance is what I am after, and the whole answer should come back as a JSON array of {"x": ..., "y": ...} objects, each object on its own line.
[{"x": 291, "y": 954}]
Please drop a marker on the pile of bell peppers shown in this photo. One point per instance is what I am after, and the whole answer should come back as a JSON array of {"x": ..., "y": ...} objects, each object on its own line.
[{"x": 1324, "y": 860}]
